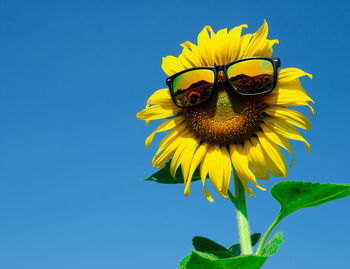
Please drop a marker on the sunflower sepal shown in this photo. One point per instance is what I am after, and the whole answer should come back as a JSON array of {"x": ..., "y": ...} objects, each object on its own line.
[{"x": 163, "y": 176}]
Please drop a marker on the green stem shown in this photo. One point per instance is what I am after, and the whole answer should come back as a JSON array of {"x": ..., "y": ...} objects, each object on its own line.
[
  {"x": 242, "y": 217},
  {"x": 267, "y": 233}
]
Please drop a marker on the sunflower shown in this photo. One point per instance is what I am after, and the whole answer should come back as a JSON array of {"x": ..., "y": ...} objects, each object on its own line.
[{"x": 228, "y": 131}]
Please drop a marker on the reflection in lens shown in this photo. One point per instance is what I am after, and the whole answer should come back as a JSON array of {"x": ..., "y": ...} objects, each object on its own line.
[
  {"x": 251, "y": 76},
  {"x": 193, "y": 87}
]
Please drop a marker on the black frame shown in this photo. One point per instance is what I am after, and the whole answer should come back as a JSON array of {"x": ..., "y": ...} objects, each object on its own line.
[{"x": 276, "y": 62}]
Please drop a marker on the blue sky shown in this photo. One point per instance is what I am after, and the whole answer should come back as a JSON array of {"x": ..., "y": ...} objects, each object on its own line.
[{"x": 73, "y": 76}]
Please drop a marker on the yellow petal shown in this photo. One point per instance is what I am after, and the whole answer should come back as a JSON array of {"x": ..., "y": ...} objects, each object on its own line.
[
  {"x": 183, "y": 156},
  {"x": 176, "y": 160},
  {"x": 279, "y": 140},
  {"x": 167, "y": 125},
  {"x": 157, "y": 112},
  {"x": 256, "y": 159},
  {"x": 221, "y": 45},
  {"x": 159, "y": 97},
  {"x": 187, "y": 156},
  {"x": 189, "y": 59},
  {"x": 161, "y": 158},
  {"x": 207, "y": 193},
  {"x": 291, "y": 116},
  {"x": 204, "y": 46},
  {"x": 227, "y": 167},
  {"x": 187, "y": 45},
  {"x": 197, "y": 159},
  {"x": 240, "y": 163},
  {"x": 286, "y": 130},
  {"x": 167, "y": 153},
  {"x": 291, "y": 73},
  {"x": 172, "y": 65},
  {"x": 289, "y": 93},
  {"x": 192, "y": 54},
  {"x": 216, "y": 171},
  {"x": 275, "y": 160},
  {"x": 288, "y": 99},
  {"x": 258, "y": 41},
  {"x": 245, "y": 39},
  {"x": 204, "y": 168},
  {"x": 267, "y": 49},
  {"x": 312, "y": 111},
  {"x": 178, "y": 130},
  {"x": 234, "y": 42}
]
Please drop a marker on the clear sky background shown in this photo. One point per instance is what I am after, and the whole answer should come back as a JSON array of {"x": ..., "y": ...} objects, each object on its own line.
[{"x": 73, "y": 75}]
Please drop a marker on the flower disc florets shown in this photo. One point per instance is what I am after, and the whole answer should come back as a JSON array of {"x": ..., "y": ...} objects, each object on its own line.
[{"x": 227, "y": 117}]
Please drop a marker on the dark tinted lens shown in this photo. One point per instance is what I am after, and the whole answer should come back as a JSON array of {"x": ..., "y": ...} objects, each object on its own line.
[
  {"x": 193, "y": 87},
  {"x": 251, "y": 76}
]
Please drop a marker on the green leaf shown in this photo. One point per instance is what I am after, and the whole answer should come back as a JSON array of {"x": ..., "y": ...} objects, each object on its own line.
[
  {"x": 163, "y": 176},
  {"x": 200, "y": 260},
  {"x": 294, "y": 195},
  {"x": 206, "y": 245},
  {"x": 236, "y": 248},
  {"x": 241, "y": 262},
  {"x": 184, "y": 262},
  {"x": 272, "y": 246}
]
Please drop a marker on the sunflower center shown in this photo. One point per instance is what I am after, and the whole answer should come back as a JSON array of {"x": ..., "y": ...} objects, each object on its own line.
[{"x": 227, "y": 117}]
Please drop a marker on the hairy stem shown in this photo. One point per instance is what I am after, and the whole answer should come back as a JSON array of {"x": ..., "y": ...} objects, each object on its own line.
[{"x": 242, "y": 217}]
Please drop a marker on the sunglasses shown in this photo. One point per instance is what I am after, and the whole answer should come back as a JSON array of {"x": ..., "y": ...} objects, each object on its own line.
[{"x": 248, "y": 76}]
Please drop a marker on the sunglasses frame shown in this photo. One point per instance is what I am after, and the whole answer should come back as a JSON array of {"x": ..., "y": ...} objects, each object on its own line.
[{"x": 276, "y": 62}]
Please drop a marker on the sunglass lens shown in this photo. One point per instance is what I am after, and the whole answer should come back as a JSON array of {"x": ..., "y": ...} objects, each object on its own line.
[
  {"x": 193, "y": 87},
  {"x": 253, "y": 76}
]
